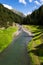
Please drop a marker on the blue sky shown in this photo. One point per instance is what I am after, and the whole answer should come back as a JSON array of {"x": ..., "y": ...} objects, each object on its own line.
[{"x": 24, "y": 6}]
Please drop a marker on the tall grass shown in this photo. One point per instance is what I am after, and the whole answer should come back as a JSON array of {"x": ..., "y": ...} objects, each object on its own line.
[
  {"x": 35, "y": 46},
  {"x": 6, "y": 37}
]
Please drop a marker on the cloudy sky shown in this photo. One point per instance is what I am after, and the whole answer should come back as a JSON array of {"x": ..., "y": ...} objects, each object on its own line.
[{"x": 24, "y": 6}]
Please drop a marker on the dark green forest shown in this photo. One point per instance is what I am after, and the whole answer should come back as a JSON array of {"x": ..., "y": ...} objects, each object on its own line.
[
  {"x": 7, "y": 17},
  {"x": 36, "y": 18}
]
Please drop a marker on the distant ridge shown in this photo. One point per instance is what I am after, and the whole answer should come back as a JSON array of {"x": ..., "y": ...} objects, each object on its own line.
[
  {"x": 12, "y": 9},
  {"x": 19, "y": 13}
]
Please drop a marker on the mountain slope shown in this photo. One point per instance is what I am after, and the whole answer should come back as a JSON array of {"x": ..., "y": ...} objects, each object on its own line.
[
  {"x": 35, "y": 18},
  {"x": 7, "y": 17},
  {"x": 19, "y": 13}
]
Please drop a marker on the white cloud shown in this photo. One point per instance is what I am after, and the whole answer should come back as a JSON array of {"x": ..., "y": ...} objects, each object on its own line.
[
  {"x": 28, "y": 13},
  {"x": 41, "y": 2},
  {"x": 7, "y": 6},
  {"x": 22, "y": 1},
  {"x": 34, "y": 7},
  {"x": 38, "y": 3},
  {"x": 30, "y": 0}
]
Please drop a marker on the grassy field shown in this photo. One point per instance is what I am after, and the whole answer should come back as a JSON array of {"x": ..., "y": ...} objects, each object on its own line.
[
  {"x": 35, "y": 46},
  {"x": 6, "y": 37}
]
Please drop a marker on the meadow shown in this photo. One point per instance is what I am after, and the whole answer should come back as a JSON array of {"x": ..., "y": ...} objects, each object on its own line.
[
  {"x": 6, "y": 37},
  {"x": 35, "y": 46}
]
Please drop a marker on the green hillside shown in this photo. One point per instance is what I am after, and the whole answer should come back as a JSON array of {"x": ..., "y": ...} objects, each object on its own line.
[
  {"x": 7, "y": 17},
  {"x": 36, "y": 18},
  {"x": 17, "y": 12}
]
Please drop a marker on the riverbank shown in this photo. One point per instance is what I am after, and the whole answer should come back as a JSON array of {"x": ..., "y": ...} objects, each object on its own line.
[
  {"x": 16, "y": 53},
  {"x": 35, "y": 46},
  {"x": 6, "y": 37}
]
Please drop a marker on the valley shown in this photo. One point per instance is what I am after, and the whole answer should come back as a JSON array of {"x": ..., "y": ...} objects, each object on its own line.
[{"x": 21, "y": 37}]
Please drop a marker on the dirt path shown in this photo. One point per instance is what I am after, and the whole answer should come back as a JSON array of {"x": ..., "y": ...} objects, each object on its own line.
[{"x": 16, "y": 53}]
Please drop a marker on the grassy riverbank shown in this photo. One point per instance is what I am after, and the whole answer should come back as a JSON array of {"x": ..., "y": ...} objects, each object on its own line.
[
  {"x": 6, "y": 37},
  {"x": 35, "y": 46}
]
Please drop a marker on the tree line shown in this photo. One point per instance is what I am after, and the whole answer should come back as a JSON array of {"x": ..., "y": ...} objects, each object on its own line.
[
  {"x": 7, "y": 17},
  {"x": 36, "y": 18}
]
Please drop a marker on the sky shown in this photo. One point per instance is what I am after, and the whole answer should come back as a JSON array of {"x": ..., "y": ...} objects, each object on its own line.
[{"x": 24, "y": 6}]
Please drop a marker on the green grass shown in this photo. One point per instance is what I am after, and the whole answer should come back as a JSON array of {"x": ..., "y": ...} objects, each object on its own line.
[
  {"x": 6, "y": 37},
  {"x": 35, "y": 46}
]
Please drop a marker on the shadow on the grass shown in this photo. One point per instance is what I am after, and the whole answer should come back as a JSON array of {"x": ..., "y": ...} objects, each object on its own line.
[
  {"x": 36, "y": 31},
  {"x": 37, "y": 34},
  {"x": 39, "y": 29},
  {"x": 41, "y": 63},
  {"x": 38, "y": 50},
  {"x": 37, "y": 37}
]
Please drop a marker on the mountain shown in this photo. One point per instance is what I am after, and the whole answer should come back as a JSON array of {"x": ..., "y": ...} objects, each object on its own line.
[
  {"x": 12, "y": 9},
  {"x": 35, "y": 18},
  {"x": 7, "y": 17},
  {"x": 19, "y": 13}
]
